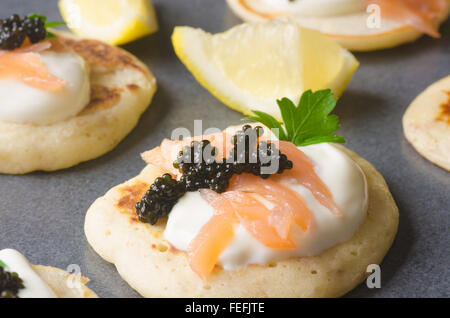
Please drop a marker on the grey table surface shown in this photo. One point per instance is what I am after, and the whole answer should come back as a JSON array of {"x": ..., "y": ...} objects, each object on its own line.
[{"x": 42, "y": 214}]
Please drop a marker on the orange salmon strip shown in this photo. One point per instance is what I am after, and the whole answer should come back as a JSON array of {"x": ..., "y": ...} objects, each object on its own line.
[
  {"x": 37, "y": 47},
  {"x": 231, "y": 208},
  {"x": 284, "y": 199},
  {"x": 214, "y": 237},
  {"x": 29, "y": 69},
  {"x": 303, "y": 172},
  {"x": 419, "y": 14},
  {"x": 255, "y": 217}
]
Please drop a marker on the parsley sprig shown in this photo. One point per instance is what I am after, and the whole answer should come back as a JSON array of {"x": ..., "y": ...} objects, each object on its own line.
[
  {"x": 47, "y": 25},
  {"x": 307, "y": 123},
  {"x": 3, "y": 265}
]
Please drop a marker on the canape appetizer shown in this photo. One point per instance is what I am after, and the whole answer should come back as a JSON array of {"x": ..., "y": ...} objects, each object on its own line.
[
  {"x": 426, "y": 123},
  {"x": 64, "y": 100},
  {"x": 356, "y": 24},
  {"x": 206, "y": 218},
  {"x": 20, "y": 279}
]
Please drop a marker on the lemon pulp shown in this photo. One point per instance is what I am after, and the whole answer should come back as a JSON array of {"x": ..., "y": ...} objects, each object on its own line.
[
  {"x": 253, "y": 64},
  {"x": 112, "y": 21}
]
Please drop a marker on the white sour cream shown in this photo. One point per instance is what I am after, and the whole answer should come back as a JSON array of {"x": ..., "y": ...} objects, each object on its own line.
[
  {"x": 35, "y": 286},
  {"x": 21, "y": 103},
  {"x": 338, "y": 171},
  {"x": 312, "y": 8}
]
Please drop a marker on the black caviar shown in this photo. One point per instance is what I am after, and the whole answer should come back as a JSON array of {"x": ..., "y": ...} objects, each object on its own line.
[
  {"x": 14, "y": 30},
  {"x": 10, "y": 284},
  {"x": 159, "y": 200},
  {"x": 200, "y": 170},
  {"x": 256, "y": 155}
]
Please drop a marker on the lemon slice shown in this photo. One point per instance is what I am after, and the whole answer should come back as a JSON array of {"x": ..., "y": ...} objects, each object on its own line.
[
  {"x": 113, "y": 21},
  {"x": 253, "y": 64}
]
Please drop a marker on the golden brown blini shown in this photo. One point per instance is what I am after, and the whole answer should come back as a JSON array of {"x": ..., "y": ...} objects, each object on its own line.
[
  {"x": 426, "y": 123},
  {"x": 122, "y": 88},
  {"x": 155, "y": 269},
  {"x": 350, "y": 30},
  {"x": 57, "y": 280}
]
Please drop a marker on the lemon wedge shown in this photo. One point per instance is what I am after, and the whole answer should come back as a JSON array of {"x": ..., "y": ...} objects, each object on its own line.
[
  {"x": 253, "y": 64},
  {"x": 113, "y": 21}
]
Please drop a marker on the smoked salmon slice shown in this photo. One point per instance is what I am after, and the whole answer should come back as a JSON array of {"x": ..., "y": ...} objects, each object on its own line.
[
  {"x": 214, "y": 237},
  {"x": 303, "y": 172},
  {"x": 255, "y": 217},
  {"x": 164, "y": 155},
  {"x": 23, "y": 64},
  {"x": 37, "y": 47},
  {"x": 287, "y": 202},
  {"x": 231, "y": 208},
  {"x": 419, "y": 14}
]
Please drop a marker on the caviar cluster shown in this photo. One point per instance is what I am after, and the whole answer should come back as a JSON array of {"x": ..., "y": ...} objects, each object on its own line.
[
  {"x": 14, "y": 30},
  {"x": 200, "y": 170},
  {"x": 159, "y": 200},
  {"x": 250, "y": 156},
  {"x": 10, "y": 284}
]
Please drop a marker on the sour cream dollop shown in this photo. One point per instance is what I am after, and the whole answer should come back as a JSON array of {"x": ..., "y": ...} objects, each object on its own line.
[
  {"x": 35, "y": 286},
  {"x": 21, "y": 103},
  {"x": 338, "y": 171}
]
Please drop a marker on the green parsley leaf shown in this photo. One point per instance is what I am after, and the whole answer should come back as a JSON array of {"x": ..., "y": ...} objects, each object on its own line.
[
  {"x": 287, "y": 108},
  {"x": 51, "y": 24},
  {"x": 3, "y": 265},
  {"x": 307, "y": 123},
  {"x": 54, "y": 24},
  {"x": 270, "y": 122}
]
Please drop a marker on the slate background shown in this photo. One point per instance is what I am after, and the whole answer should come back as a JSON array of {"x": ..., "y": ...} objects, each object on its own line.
[{"x": 42, "y": 214}]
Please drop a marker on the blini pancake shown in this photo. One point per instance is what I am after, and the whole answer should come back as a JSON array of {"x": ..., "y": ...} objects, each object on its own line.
[
  {"x": 350, "y": 30},
  {"x": 426, "y": 123},
  {"x": 155, "y": 269},
  {"x": 122, "y": 88},
  {"x": 59, "y": 281}
]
